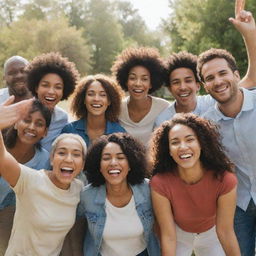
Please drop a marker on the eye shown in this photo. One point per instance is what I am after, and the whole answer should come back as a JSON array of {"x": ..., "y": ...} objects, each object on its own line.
[
  {"x": 58, "y": 87},
  {"x": 27, "y": 121},
  {"x": 175, "y": 142},
  {"x": 61, "y": 153}
]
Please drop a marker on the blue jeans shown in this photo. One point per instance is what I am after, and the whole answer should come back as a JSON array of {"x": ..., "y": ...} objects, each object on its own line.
[{"x": 245, "y": 229}]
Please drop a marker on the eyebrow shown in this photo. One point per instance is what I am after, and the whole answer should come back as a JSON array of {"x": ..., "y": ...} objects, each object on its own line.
[{"x": 132, "y": 73}]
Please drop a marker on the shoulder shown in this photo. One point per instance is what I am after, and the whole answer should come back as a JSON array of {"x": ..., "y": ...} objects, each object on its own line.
[
  {"x": 166, "y": 114},
  {"x": 59, "y": 114},
  {"x": 160, "y": 102},
  {"x": 73, "y": 126},
  {"x": 114, "y": 127}
]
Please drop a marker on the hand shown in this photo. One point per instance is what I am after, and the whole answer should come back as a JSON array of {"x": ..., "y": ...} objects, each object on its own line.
[
  {"x": 11, "y": 113},
  {"x": 244, "y": 23}
]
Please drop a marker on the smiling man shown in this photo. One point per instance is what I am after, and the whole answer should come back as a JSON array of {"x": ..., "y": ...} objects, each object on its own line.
[
  {"x": 15, "y": 79},
  {"x": 235, "y": 113}
]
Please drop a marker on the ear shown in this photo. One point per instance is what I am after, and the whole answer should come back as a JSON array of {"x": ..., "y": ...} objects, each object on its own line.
[
  {"x": 198, "y": 85},
  {"x": 237, "y": 75}
]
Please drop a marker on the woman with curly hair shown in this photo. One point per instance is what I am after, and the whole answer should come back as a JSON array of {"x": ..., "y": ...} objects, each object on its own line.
[
  {"x": 117, "y": 202},
  {"x": 140, "y": 71},
  {"x": 52, "y": 78},
  {"x": 193, "y": 189},
  {"x": 96, "y": 105}
]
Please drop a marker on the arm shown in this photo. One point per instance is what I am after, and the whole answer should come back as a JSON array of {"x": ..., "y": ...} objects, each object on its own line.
[
  {"x": 164, "y": 217},
  {"x": 9, "y": 167},
  {"x": 224, "y": 223},
  {"x": 245, "y": 24}
]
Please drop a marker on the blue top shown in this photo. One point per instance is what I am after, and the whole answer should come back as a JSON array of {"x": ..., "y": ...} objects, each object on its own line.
[
  {"x": 79, "y": 127},
  {"x": 239, "y": 139},
  {"x": 92, "y": 207},
  {"x": 58, "y": 121},
  {"x": 39, "y": 161},
  {"x": 203, "y": 103}
]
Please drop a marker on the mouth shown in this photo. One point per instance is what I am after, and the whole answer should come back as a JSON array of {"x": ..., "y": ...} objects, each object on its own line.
[
  {"x": 67, "y": 171},
  {"x": 50, "y": 99},
  {"x": 96, "y": 105},
  {"x": 138, "y": 90},
  {"x": 221, "y": 89},
  {"x": 114, "y": 172},
  {"x": 30, "y": 134},
  {"x": 185, "y": 156}
]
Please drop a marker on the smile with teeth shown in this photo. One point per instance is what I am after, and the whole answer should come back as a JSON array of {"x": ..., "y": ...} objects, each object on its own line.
[
  {"x": 138, "y": 90},
  {"x": 184, "y": 95},
  {"x": 66, "y": 171},
  {"x": 221, "y": 89},
  {"x": 114, "y": 172},
  {"x": 30, "y": 134},
  {"x": 185, "y": 156},
  {"x": 96, "y": 105},
  {"x": 50, "y": 98}
]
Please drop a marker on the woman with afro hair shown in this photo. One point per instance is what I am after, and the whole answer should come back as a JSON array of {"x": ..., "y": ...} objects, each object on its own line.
[
  {"x": 52, "y": 78},
  {"x": 193, "y": 189},
  {"x": 140, "y": 71}
]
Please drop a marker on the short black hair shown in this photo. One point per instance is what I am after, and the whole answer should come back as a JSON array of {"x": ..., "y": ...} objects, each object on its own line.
[
  {"x": 181, "y": 60},
  {"x": 133, "y": 150},
  {"x": 48, "y": 63}
]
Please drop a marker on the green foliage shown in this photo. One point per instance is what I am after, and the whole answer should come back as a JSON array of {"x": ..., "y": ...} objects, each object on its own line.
[
  {"x": 197, "y": 25},
  {"x": 30, "y": 38}
]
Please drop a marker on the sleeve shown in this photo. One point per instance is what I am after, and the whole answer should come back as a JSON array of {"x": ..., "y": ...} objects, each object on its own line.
[
  {"x": 228, "y": 183},
  {"x": 26, "y": 180},
  {"x": 158, "y": 184}
]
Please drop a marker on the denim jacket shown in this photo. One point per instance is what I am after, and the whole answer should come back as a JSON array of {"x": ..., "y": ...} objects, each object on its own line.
[{"x": 92, "y": 207}]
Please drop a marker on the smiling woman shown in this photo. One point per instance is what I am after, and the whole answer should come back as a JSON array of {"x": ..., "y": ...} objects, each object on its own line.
[
  {"x": 97, "y": 105},
  {"x": 52, "y": 78},
  {"x": 38, "y": 228},
  {"x": 193, "y": 189}
]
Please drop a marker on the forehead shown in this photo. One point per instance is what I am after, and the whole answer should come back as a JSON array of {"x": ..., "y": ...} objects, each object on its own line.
[
  {"x": 214, "y": 66},
  {"x": 96, "y": 86},
  {"x": 36, "y": 115},
  {"x": 180, "y": 130},
  {"x": 181, "y": 73},
  {"x": 113, "y": 148},
  {"x": 69, "y": 143},
  {"x": 139, "y": 70},
  {"x": 52, "y": 77},
  {"x": 14, "y": 64}
]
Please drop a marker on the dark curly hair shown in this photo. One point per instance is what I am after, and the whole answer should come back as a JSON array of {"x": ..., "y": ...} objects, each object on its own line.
[
  {"x": 10, "y": 134},
  {"x": 214, "y": 53},
  {"x": 140, "y": 56},
  {"x": 133, "y": 150},
  {"x": 212, "y": 154},
  {"x": 52, "y": 62},
  {"x": 114, "y": 93},
  {"x": 180, "y": 60}
]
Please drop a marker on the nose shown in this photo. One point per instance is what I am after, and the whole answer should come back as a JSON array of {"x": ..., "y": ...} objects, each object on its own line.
[
  {"x": 97, "y": 96},
  {"x": 183, "y": 144},
  {"x": 68, "y": 157},
  {"x": 182, "y": 86},
  {"x": 113, "y": 161},
  {"x": 217, "y": 80},
  {"x": 51, "y": 90},
  {"x": 31, "y": 126}
]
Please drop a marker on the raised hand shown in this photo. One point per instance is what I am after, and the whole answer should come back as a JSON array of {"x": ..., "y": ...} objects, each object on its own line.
[
  {"x": 11, "y": 113},
  {"x": 239, "y": 6}
]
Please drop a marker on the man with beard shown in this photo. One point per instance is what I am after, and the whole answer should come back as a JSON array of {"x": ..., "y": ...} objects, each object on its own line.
[
  {"x": 15, "y": 79},
  {"x": 235, "y": 114}
]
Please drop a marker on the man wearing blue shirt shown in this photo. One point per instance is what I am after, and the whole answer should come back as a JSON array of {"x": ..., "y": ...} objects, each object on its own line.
[{"x": 235, "y": 113}]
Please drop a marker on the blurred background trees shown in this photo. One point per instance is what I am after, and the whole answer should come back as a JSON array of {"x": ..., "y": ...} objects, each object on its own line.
[{"x": 92, "y": 32}]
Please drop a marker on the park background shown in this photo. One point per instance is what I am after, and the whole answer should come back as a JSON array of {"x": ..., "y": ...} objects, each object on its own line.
[{"x": 92, "y": 32}]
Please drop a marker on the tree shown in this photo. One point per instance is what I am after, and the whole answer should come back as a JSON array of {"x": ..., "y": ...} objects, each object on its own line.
[
  {"x": 30, "y": 38},
  {"x": 197, "y": 25},
  {"x": 104, "y": 33}
]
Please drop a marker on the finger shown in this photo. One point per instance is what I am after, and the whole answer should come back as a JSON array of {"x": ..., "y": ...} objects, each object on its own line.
[
  {"x": 9, "y": 101},
  {"x": 239, "y": 6}
]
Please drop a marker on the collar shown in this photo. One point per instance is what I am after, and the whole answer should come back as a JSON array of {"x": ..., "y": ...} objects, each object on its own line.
[{"x": 248, "y": 104}]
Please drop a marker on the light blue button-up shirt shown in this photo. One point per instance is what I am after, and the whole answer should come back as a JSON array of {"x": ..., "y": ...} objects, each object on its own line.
[{"x": 239, "y": 139}]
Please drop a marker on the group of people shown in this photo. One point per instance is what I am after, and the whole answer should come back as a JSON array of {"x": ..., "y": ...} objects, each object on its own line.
[{"x": 147, "y": 176}]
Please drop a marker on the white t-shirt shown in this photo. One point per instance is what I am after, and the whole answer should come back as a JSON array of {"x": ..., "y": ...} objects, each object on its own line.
[
  {"x": 44, "y": 214},
  {"x": 4, "y": 95},
  {"x": 143, "y": 129},
  {"x": 123, "y": 231}
]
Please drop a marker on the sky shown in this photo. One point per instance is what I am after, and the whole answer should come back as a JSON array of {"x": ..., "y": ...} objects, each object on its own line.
[{"x": 152, "y": 11}]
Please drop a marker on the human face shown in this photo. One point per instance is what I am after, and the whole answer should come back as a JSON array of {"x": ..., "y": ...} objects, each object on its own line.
[
  {"x": 50, "y": 90},
  {"x": 96, "y": 99},
  {"x": 220, "y": 81},
  {"x": 183, "y": 87},
  {"x": 138, "y": 82},
  {"x": 184, "y": 147},
  {"x": 16, "y": 78},
  {"x": 114, "y": 165},
  {"x": 67, "y": 162},
  {"x": 32, "y": 128}
]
